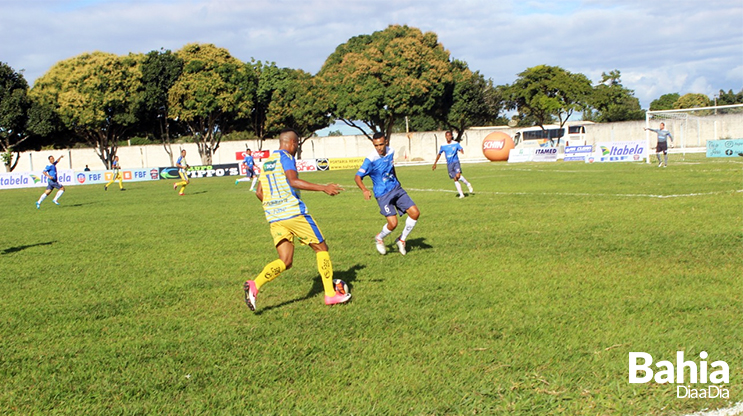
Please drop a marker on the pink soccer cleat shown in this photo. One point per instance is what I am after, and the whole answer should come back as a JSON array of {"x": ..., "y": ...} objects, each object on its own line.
[
  {"x": 251, "y": 292},
  {"x": 338, "y": 298}
]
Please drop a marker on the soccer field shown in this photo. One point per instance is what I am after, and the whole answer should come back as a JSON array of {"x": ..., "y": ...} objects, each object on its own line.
[{"x": 524, "y": 298}]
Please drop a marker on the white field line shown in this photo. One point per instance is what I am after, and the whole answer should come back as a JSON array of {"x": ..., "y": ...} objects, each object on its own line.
[
  {"x": 737, "y": 409},
  {"x": 583, "y": 194}
]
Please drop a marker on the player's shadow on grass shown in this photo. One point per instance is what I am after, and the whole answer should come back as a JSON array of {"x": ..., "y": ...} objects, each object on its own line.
[
  {"x": 417, "y": 244},
  {"x": 347, "y": 276},
  {"x": 19, "y": 248}
]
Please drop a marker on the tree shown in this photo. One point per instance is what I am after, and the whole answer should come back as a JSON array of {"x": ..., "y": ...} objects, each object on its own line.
[
  {"x": 14, "y": 106},
  {"x": 376, "y": 79},
  {"x": 729, "y": 98},
  {"x": 611, "y": 101},
  {"x": 543, "y": 92},
  {"x": 297, "y": 103},
  {"x": 268, "y": 77},
  {"x": 473, "y": 100},
  {"x": 692, "y": 100},
  {"x": 160, "y": 70},
  {"x": 96, "y": 95},
  {"x": 664, "y": 102},
  {"x": 214, "y": 91}
]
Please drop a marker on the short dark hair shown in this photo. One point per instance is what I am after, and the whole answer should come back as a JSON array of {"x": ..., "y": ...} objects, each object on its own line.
[
  {"x": 448, "y": 131},
  {"x": 289, "y": 130},
  {"x": 378, "y": 135}
]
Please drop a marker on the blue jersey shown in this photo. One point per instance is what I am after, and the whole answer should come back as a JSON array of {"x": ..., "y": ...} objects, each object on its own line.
[
  {"x": 280, "y": 200},
  {"x": 451, "y": 151},
  {"x": 248, "y": 162},
  {"x": 52, "y": 171},
  {"x": 381, "y": 169}
]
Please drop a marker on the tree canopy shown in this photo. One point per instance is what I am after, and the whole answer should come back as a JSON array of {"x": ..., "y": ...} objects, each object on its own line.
[
  {"x": 213, "y": 91},
  {"x": 378, "y": 78},
  {"x": 611, "y": 101},
  {"x": 543, "y": 92},
  {"x": 96, "y": 95}
]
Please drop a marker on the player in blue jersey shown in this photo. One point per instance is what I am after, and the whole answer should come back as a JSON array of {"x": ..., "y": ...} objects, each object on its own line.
[
  {"x": 390, "y": 196},
  {"x": 451, "y": 150},
  {"x": 249, "y": 170},
  {"x": 662, "y": 146},
  {"x": 288, "y": 219},
  {"x": 182, "y": 166},
  {"x": 50, "y": 171},
  {"x": 116, "y": 175}
]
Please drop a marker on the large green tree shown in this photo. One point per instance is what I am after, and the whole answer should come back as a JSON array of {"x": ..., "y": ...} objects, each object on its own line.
[
  {"x": 730, "y": 97},
  {"x": 212, "y": 94},
  {"x": 474, "y": 101},
  {"x": 373, "y": 80},
  {"x": 14, "y": 107},
  {"x": 543, "y": 92},
  {"x": 692, "y": 100},
  {"x": 611, "y": 101},
  {"x": 96, "y": 95},
  {"x": 269, "y": 77},
  {"x": 298, "y": 103},
  {"x": 160, "y": 70},
  {"x": 664, "y": 102}
]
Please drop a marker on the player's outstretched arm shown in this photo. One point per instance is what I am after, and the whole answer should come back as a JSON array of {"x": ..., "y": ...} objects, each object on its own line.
[
  {"x": 360, "y": 184},
  {"x": 296, "y": 183},
  {"x": 436, "y": 161}
]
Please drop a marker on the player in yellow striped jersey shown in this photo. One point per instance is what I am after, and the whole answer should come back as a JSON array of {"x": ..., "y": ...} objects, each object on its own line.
[
  {"x": 182, "y": 166},
  {"x": 116, "y": 175},
  {"x": 288, "y": 218}
]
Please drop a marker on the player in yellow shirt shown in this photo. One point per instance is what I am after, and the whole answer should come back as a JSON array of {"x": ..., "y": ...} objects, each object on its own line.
[
  {"x": 182, "y": 166},
  {"x": 288, "y": 219},
  {"x": 116, "y": 175}
]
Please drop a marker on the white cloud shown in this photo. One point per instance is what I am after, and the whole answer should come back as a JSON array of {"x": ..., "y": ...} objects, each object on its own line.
[{"x": 659, "y": 46}]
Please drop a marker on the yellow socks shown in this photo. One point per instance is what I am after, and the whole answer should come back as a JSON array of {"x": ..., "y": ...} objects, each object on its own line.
[
  {"x": 325, "y": 267},
  {"x": 270, "y": 272}
]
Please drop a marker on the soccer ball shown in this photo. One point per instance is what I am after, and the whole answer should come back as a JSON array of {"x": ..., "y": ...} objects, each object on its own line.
[{"x": 340, "y": 286}]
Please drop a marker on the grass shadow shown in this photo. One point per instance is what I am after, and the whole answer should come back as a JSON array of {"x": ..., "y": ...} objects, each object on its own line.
[
  {"x": 19, "y": 248},
  {"x": 417, "y": 244},
  {"x": 347, "y": 276}
]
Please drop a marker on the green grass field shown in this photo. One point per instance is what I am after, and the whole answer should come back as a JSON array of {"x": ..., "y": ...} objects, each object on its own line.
[{"x": 524, "y": 298}]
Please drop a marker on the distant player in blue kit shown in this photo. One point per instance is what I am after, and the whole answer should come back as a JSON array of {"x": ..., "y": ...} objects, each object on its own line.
[
  {"x": 662, "y": 146},
  {"x": 390, "y": 196},
  {"x": 50, "y": 171},
  {"x": 249, "y": 170},
  {"x": 452, "y": 150}
]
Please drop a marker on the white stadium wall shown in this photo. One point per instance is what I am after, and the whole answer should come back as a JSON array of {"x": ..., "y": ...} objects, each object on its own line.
[{"x": 412, "y": 147}]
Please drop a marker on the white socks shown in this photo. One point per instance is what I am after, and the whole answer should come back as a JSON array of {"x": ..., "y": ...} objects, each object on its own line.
[
  {"x": 43, "y": 197},
  {"x": 409, "y": 225},
  {"x": 459, "y": 188},
  {"x": 56, "y": 197}
]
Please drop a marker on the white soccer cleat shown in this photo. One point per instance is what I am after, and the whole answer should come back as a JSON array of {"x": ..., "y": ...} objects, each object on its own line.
[
  {"x": 401, "y": 246},
  {"x": 380, "y": 245},
  {"x": 469, "y": 186},
  {"x": 460, "y": 196}
]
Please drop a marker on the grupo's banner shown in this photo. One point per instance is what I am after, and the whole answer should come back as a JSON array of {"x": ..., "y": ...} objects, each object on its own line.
[
  {"x": 725, "y": 148},
  {"x": 345, "y": 163},
  {"x": 33, "y": 179},
  {"x": 577, "y": 153},
  {"x": 619, "y": 152},
  {"x": 202, "y": 171},
  {"x": 524, "y": 154},
  {"x": 105, "y": 176}
]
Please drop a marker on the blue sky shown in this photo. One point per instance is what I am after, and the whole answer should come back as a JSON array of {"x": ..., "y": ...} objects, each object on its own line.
[{"x": 659, "y": 46}]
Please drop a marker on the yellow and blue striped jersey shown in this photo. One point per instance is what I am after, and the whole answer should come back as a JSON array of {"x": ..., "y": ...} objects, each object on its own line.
[{"x": 280, "y": 200}]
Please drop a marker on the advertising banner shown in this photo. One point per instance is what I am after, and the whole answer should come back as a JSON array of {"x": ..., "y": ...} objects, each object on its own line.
[
  {"x": 543, "y": 154},
  {"x": 520, "y": 155},
  {"x": 33, "y": 179},
  {"x": 257, "y": 155},
  {"x": 345, "y": 163},
  {"x": 105, "y": 176},
  {"x": 635, "y": 151},
  {"x": 577, "y": 153},
  {"x": 306, "y": 165},
  {"x": 725, "y": 148},
  {"x": 203, "y": 171}
]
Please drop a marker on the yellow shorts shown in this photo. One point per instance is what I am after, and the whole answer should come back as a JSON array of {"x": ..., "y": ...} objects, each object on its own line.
[{"x": 303, "y": 227}]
